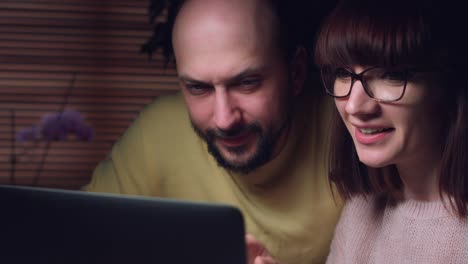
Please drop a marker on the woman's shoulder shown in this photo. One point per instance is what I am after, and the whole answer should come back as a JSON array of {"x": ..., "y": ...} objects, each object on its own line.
[{"x": 364, "y": 208}]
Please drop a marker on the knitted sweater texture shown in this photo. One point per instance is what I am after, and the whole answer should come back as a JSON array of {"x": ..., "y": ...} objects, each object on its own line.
[{"x": 408, "y": 232}]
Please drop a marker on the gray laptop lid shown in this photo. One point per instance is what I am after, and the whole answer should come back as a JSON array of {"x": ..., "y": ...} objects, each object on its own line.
[{"x": 58, "y": 226}]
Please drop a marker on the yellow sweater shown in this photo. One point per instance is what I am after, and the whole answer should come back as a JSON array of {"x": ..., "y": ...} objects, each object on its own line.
[{"x": 287, "y": 203}]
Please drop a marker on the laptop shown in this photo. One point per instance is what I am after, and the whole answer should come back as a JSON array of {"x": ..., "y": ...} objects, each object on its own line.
[{"x": 41, "y": 225}]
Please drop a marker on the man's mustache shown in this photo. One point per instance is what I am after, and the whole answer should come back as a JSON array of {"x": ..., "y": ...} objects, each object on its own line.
[{"x": 233, "y": 132}]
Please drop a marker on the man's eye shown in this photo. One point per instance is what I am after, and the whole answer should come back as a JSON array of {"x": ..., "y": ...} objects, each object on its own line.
[
  {"x": 249, "y": 82},
  {"x": 249, "y": 85},
  {"x": 196, "y": 89}
]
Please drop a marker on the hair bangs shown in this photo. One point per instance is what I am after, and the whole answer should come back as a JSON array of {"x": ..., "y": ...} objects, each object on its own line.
[{"x": 376, "y": 37}]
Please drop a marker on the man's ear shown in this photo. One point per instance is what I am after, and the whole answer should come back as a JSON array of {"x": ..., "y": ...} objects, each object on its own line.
[{"x": 299, "y": 70}]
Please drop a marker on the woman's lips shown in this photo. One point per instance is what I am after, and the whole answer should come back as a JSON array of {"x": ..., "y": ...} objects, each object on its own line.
[{"x": 368, "y": 136}]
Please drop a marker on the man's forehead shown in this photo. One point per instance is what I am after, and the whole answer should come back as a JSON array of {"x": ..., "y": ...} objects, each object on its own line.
[
  {"x": 206, "y": 21},
  {"x": 217, "y": 77},
  {"x": 194, "y": 9}
]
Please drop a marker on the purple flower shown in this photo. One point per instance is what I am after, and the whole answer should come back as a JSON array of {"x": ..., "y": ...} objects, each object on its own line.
[
  {"x": 72, "y": 121},
  {"x": 57, "y": 126},
  {"x": 28, "y": 134},
  {"x": 85, "y": 133},
  {"x": 53, "y": 131}
]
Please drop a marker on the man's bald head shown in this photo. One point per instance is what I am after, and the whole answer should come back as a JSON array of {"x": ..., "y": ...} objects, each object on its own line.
[{"x": 245, "y": 22}]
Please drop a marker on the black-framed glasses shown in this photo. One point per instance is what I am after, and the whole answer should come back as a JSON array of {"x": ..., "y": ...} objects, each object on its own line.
[{"x": 380, "y": 84}]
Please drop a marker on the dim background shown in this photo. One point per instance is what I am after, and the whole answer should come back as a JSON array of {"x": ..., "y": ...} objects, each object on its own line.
[{"x": 81, "y": 55}]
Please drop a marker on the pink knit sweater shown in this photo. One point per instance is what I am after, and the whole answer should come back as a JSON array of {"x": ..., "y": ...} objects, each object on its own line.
[{"x": 409, "y": 232}]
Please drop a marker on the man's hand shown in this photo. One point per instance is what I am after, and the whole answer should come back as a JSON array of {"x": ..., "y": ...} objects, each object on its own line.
[{"x": 256, "y": 252}]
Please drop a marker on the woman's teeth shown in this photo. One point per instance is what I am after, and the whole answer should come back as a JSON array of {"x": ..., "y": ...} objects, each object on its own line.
[{"x": 372, "y": 130}]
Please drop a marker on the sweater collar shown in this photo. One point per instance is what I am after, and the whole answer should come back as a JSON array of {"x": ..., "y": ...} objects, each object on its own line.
[{"x": 426, "y": 210}]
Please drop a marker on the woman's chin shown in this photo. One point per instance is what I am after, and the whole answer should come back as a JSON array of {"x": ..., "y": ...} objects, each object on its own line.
[{"x": 373, "y": 163}]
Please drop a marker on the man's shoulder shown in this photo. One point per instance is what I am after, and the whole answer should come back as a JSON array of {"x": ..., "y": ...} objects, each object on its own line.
[
  {"x": 164, "y": 118},
  {"x": 169, "y": 103},
  {"x": 164, "y": 112}
]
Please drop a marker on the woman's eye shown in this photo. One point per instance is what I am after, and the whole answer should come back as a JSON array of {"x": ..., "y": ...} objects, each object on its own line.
[
  {"x": 394, "y": 75},
  {"x": 342, "y": 73}
]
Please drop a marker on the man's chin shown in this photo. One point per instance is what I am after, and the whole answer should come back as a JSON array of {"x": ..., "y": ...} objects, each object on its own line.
[
  {"x": 237, "y": 161},
  {"x": 234, "y": 161},
  {"x": 237, "y": 166}
]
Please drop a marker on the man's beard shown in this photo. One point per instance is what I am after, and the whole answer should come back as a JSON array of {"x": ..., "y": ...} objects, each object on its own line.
[{"x": 265, "y": 146}]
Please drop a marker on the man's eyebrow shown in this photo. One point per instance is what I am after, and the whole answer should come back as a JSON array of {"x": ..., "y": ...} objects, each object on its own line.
[
  {"x": 188, "y": 79},
  {"x": 252, "y": 71},
  {"x": 249, "y": 72}
]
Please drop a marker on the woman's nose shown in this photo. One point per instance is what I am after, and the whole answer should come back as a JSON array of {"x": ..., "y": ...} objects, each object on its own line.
[{"x": 359, "y": 102}]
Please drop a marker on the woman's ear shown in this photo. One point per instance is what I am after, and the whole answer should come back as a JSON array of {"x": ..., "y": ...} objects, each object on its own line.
[{"x": 299, "y": 70}]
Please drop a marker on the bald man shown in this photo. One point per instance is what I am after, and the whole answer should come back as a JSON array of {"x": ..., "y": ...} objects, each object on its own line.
[{"x": 243, "y": 131}]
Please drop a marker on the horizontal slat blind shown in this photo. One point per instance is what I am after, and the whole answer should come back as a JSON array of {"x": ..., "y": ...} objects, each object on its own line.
[{"x": 72, "y": 54}]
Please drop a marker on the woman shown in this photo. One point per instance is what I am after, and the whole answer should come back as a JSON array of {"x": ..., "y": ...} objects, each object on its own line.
[{"x": 400, "y": 151}]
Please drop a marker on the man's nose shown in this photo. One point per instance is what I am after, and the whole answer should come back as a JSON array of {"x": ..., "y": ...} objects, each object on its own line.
[
  {"x": 359, "y": 102},
  {"x": 226, "y": 111}
]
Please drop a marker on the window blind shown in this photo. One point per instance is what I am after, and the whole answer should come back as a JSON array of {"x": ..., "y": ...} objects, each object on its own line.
[{"x": 78, "y": 55}]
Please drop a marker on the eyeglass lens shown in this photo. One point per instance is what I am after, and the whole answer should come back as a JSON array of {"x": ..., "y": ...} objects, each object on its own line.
[{"x": 379, "y": 83}]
